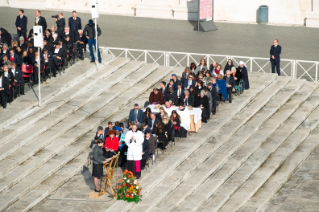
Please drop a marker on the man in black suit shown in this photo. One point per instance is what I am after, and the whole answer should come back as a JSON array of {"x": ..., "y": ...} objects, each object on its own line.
[
  {"x": 187, "y": 100},
  {"x": 275, "y": 52},
  {"x": 57, "y": 56},
  {"x": 151, "y": 122},
  {"x": 4, "y": 60},
  {"x": 21, "y": 24},
  {"x": 47, "y": 58},
  {"x": 171, "y": 97},
  {"x": 230, "y": 83},
  {"x": 67, "y": 32},
  {"x": 22, "y": 43},
  {"x": 8, "y": 74},
  {"x": 213, "y": 92},
  {"x": 179, "y": 92},
  {"x": 163, "y": 88},
  {"x": 18, "y": 79},
  {"x": 40, "y": 21},
  {"x": 5, "y": 50},
  {"x": 107, "y": 129},
  {"x": 4, "y": 88},
  {"x": 60, "y": 22},
  {"x": 13, "y": 56},
  {"x": 75, "y": 25},
  {"x": 80, "y": 43}
]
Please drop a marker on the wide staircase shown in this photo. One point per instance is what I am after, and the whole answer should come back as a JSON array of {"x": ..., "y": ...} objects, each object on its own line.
[{"x": 236, "y": 162}]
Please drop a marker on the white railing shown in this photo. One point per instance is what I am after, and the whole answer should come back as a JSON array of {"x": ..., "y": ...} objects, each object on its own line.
[{"x": 297, "y": 69}]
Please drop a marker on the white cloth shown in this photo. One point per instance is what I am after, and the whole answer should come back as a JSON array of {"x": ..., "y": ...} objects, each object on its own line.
[
  {"x": 197, "y": 112},
  {"x": 135, "y": 148},
  {"x": 242, "y": 63},
  {"x": 185, "y": 118},
  {"x": 0, "y": 82}
]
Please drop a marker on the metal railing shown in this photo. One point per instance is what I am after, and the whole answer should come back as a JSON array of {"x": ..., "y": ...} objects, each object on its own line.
[{"x": 297, "y": 69}]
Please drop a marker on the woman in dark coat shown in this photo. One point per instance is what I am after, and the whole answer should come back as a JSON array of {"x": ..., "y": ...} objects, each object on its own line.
[
  {"x": 98, "y": 160},
  {"x": 243, "y": 70},
  {"x": 146, "y": 115},
  {"x": 204, "y": 106},
  {"x": 167, "y": 127},
  {"x": 161, "y": 135},
  {"x": 228, "y": 65}
]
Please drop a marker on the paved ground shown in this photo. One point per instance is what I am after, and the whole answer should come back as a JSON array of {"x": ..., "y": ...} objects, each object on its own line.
[
  {"x": 171, "y": 35},
  {"x": 301, "y": 192}
]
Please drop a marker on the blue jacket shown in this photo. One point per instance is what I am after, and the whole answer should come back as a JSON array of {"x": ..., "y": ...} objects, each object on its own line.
[
  {"x": 75, "y": 25},
  {"x": 276, "y": 52},
  {"x": 222, "y": 88},
  {"x": 139, "y": 115}
]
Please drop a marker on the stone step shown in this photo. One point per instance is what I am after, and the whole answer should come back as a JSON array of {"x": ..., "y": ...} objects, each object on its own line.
[
  {"x": 273, "y": 162},
  {"x": 20, "y": 189},
  {"x": 198, "y": 168},
  {"x": 34, "y": 135},
  {"x": 20, "y": 107},
  {"x": 225, "y": 181},
  {"x": 53, "y": 144},
  {"x": 189, "y": 145},
  {"x": 282, "y": 175},
  {"x": 58, "y": 100}
]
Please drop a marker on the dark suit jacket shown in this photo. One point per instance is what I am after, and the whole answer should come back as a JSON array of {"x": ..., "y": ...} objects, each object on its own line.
[
  {"x": 146, "y": 149},
  {"x": 139, "y": 115},
  {"x": 231, "y": 80},
  {"x": 5, "y": 84},
  {"x": 164, "y": 91},
  {"x": 42, "y": 22},
  {"x": 10, "y": 77},
  {"x": 18, "y": 74},
  {"x": 149, "y": 123},
  {"x": 60, "y": 26},
  {"x": 185, "y": 84},
  {"x": 5, "y": 36},
  {"x": 190, "y": 99},
  {"x": 172, "y": 97},
  {"x": 22, "y": 23},
  {"x": 276, "y": 51},
  {"x": 34, "y": 62},
  {"x": 23, "y": 46},
  {"x": 71, "y": 37},
  {"x": 75, "y": 25},
  {"x": 16, "y": 58},
  {"x": 59, "y": 54}
]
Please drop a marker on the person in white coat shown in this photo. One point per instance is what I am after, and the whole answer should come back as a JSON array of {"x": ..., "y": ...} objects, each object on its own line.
[{"x": 134, "y": 140}]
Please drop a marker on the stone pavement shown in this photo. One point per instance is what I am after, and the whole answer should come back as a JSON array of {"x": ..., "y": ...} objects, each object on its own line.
[
  {"x": 252, "y": 40},
  {"x": 301, "y": 191}
]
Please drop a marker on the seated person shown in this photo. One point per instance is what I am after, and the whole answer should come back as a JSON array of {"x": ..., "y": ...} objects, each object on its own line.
[
  {"x": 171, "y": 96},
  {"x": 222, "y": 92},
  {"x": 185, "y": 120},
  {"x": 99, "y": 133},
  {"x": 146, "y": 149},
  {"x": 16, "y": 71},
  {"x": 187, "y": 99},
  {"x": 4, "y": 88},
  {"x": 167, "y": 127},
  {"x": 204, "y": 106},
  {"x": 161, "y": 113},
  {"x": 111, "y": 145},
  {"x": 167, "y": 105},
  {"x": 179, "y": 92},
  {"x": 156, "y": 97},
  {"x": 145, "y": 127},
  {"x": 161, "y": 135},
  {"x": 152, "y": 121},
  {"x": 80, "y": 43},
  {"x": 13, "y": 56},
  {"x": 163, "y": 88},
  {"x": 176, "y": 120},
  {"x": 230, "y": 83},
  {"x": 175, "y": 80},
  {"x": 146, "y": 115},
  {"x": 185, "y": 74},
  {"x": 170, "y": 85},
  {"x": 136, "y": 115},
  {"x": 9, "y": 75},
  {"x": 109, "y": 127}
]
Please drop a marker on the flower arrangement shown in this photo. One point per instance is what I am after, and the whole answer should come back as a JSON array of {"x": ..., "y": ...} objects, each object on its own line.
[{"x": 128, "y": 188}]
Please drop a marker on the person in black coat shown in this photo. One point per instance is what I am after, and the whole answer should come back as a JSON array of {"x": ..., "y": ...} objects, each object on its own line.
[
  {"x": 37, "y": 68},
  {"x": 75, "y": 25},
  {"x": 5, "y": 36},
  {"x": 13, "y": 56},
  {"x": 228, "y": 65},
  {"x": 242, "y": 73},
  {"x": 275, "y": 52},
  {"x": 215, "y": 97},
  {"x": 57, "y": 56},
  {"x": 40, "y": 21},
  {"x": 4, "y": 88},
  {"x": 18, "y": 78},
  {"x": 171, "y": 96},
  {"x": 107, "y": 129},
  {"x": 146, "y": 148},
  {"x": 60, "y": 22},
  {"x": 152, "y": 122},
  {"x": 168, "y": 127},
  {"x": 230, "y": 83},
  {"x": 21, "y": 24},
  {"x": 203, "y": 105},
  {"x": 7, "y": 73},
  {"x": 161, "y": 135},
  {"x": 187, "y": 98}
]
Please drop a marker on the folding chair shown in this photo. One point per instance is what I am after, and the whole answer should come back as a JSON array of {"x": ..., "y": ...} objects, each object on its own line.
[{"x": 28, "y": 71}]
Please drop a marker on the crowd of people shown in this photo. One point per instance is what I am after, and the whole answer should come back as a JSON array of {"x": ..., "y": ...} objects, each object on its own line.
[
  {"x": 147, "y": 130},
  {"x": 60, "y": 44}
]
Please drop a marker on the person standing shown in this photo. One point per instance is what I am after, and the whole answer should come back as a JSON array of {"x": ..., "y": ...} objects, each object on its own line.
[
  {"x": 60, "y": 23},
  {"x": 21, "y": 24},
  {"x": 40, "y": 21},
  {"x": 134, "y": 140},
  {"x": 275, "y": 52},
  {"x": 75, "y": 25},
  {"x": 89, "y": 33}
]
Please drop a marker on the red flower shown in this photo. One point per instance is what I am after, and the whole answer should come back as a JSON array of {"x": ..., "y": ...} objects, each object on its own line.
[
  {"x": 120, "y": 180},
  {"x": 124, "y": 184},
  {"x": 120, "y": 187},
  {"x": 127, "y": 196},
  {"x": 129, "y": 191},
  {"x": 131, "y": 196}
]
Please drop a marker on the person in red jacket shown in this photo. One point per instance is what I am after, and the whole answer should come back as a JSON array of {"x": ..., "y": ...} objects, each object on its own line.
[{"x": 111, "y": 145}]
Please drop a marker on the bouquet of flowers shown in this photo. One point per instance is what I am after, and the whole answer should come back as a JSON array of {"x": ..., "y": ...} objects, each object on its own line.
[{"x": 129, "y": 189}]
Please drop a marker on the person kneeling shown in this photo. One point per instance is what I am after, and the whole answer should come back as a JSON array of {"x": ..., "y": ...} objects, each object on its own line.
[{"x": 98, "y": 161}]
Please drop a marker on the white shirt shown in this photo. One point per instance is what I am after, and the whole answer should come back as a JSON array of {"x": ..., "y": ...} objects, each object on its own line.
[
  {"x": 21, "y": 16},
  {"x": 6, "y": 74},
  {"x": 56, "y": 51},
  {"x": 37, "y": 19},
  {"x": 0, "y": 82},
  {"x": 135, "y": 147},
  {"x": 13, "y": 72},
  {"x": 46, "y": 59}
]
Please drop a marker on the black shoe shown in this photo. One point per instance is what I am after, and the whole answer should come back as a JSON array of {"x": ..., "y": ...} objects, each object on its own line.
[
  {"x": 100, "y": 61},
  {"x": 81, "y": 58},
  {"x": 96, "y": 190},
  {"x": 22, "y": 94},
  {"x": 92, "y": 61}
]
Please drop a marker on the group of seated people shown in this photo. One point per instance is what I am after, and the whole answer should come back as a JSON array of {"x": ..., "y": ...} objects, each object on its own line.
[
  {"x": 55, "y": 54},
  {"x": 198, "y": 87}
]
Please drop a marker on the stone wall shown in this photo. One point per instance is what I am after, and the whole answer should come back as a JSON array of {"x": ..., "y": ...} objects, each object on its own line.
[{"x": 291, "y": 12}]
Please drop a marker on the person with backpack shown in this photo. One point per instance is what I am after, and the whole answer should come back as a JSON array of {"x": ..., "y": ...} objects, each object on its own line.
[{"x": 89, "y": 33}]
